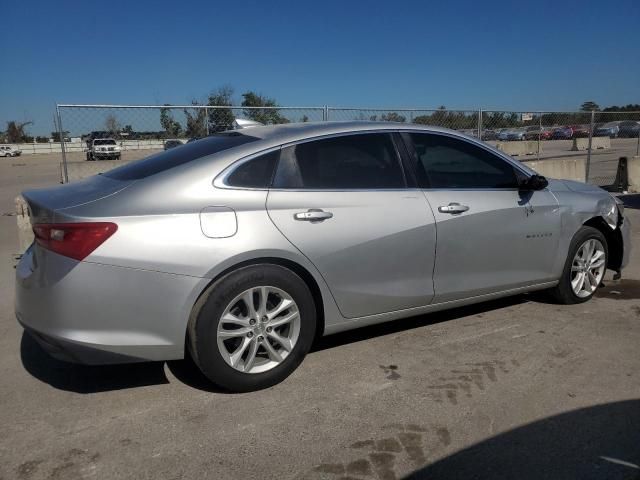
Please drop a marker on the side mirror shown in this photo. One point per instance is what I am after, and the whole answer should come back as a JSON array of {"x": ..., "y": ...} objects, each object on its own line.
[{"x": 534, "y": 182}]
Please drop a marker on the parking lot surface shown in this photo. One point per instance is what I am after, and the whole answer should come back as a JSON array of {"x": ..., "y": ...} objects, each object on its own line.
[{"x": 516, "y": 388}]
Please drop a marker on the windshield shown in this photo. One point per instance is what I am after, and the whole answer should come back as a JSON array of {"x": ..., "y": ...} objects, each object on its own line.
[
  {"x": 179, "y": 156},
  {"x": 104, "y": 142}
]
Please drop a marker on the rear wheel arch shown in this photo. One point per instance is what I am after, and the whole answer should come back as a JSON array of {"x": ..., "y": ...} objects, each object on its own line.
[{"x": 295, "y": 267}]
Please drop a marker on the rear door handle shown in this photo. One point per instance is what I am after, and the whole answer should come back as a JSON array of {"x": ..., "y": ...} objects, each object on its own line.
[
  {"x": 453, "y": 208},
  {"x": 313, "y": 215}
]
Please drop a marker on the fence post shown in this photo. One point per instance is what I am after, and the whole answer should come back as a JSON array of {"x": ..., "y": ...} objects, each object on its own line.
[
  {"x": 588, "y": 166},
  {"x": 325, "y": 113},
  {"x": 480, "y": 124},
  {"x": 539, "y": 134},
  {"x": 206, "y": 119},
  {"x": 62, "y": 146}
]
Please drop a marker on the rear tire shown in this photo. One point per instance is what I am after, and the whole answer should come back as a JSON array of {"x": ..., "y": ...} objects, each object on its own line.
[
  {"x": 242, "y": 348},
  {"x": 580, "y": 264}
]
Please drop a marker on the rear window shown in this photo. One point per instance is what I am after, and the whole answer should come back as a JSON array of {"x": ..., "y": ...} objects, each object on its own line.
[{"x": 168, "y": 159}]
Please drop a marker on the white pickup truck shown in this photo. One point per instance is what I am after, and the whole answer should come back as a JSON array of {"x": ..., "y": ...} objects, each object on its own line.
[
  {"x": 103, "y": 149},
  {"x": 7, "y": 151}
]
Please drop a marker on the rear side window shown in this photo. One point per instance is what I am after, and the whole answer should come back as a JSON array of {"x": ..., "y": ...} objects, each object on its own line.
[
  {"x": 179, "y": 156},
  {"x": 254, "y": 173},
  {"x": 365, "y": 161},
  {"x": 446, "y": 162}
]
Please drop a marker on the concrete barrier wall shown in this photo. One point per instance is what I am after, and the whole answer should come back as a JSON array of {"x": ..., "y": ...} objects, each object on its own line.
[
  {"x": 80, "y": 170},
  {"x": 519, "y": 148},
  {"x": 55, "y": 147},
  {"x": 563, "y": 168},
  {"x": 633, "y": 168},
  {"x": 596, "y": 143},
  {"x": 25, "y": 233}
]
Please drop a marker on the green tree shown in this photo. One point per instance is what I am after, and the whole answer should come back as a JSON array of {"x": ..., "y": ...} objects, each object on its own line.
[
  {"x": 221, "y": 119},
  {"x": 268, "y": 115},
  {"x": 589, "y": 106},
  {"x": 196, "y": 121},
  {"x": 56, "y": 135},
  {"x": 169, "y": 125},
  {"x": 16, "y": 132},
  {"x": 393, "y": 117},
  {"x": 111, "y": 125}
]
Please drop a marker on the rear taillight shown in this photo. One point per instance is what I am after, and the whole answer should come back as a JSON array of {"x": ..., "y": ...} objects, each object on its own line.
[{"x": 75, "y": 240}]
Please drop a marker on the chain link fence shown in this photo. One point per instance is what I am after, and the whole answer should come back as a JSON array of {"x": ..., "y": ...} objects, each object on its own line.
[{"x": 600, "y": 138}]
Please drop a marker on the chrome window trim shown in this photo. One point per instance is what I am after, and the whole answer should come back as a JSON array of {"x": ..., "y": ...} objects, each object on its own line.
[
  {"x": 477, "y": 143},
  {"x": 221, "y": 178}
]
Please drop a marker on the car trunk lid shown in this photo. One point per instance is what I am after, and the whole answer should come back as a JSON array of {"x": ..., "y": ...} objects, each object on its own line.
[{"x": 48, "y": 204}]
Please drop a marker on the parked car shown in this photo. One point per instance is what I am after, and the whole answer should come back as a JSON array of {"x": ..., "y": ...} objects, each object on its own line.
[
  {"x": 629, "y": 129},
  {"x": 580, "y": 131},
  {"x": 533, "y": 133},
  {"x": 103, "y": 149},
  {"x": 609, "y": 129},
  {"x": 488, "y": 135},
  {"x": 562, "y": 133},
  {"x": 168, "y": 144},
  {"x": 244, "y": 247},
  {"x": 516, "y": 134},
  {"x": 503, "y": 134},
  {"x": 7, "y": 151}
]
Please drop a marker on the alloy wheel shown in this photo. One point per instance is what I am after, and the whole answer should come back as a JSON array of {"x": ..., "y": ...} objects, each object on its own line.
[
  {"x": 258, "y": 329},
  {"x": 588, "y": 268}
]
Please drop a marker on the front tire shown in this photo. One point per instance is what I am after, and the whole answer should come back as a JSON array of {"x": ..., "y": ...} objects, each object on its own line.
[
  {"x": 252, "y": 328},
  {"x": 584, "y": 268}
]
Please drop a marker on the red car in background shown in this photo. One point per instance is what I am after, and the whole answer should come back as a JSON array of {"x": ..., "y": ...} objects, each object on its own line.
[{"x": 579, "y": 131}]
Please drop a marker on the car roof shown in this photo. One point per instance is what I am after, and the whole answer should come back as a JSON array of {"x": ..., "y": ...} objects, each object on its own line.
[{"x": 291, "y": 132}]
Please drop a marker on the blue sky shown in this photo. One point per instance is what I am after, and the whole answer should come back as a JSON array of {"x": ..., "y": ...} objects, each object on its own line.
[{"x": 462, "y": 54}]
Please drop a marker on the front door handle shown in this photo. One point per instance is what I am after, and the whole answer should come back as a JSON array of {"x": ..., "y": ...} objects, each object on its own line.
[
  {"x": 313, "y": 215},
  {"x": 453, "y": 208}
]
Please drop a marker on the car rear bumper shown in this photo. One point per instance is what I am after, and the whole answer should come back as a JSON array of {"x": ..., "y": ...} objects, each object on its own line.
[{"x": 99, "y": 314}]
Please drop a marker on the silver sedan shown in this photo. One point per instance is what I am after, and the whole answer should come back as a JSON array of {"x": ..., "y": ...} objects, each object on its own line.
[{"x": 241, "y": 248}]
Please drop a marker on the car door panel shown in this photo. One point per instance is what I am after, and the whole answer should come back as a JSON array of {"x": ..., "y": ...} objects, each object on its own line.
[
  {"x": 491, "y": 236},
  {"x": 376, "y": 252},
  {"x": 344, "y": 203},
  {"x": 504, "y": 240}
]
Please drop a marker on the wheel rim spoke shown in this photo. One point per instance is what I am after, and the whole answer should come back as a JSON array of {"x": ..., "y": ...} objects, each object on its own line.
[
  {"x": 251, "y": 356},
  {"x": 239, "y": 332},
  {"x": 247, "y": 298},
  {"x": 231, "y": 318},
  {"x": 237, "y": 355},
  {"x": 272, "y": 352},
  {"x": 282, "y": 306},
  {"x": 278, "y": 322},
  {"x": 285, "y": 342}
]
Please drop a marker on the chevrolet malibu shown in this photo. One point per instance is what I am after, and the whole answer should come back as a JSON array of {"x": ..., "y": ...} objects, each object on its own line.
[{"x": 241, "y": 248}]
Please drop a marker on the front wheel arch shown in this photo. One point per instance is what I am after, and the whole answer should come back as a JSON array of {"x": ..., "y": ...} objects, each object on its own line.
[{"x": 614, "y": 241}]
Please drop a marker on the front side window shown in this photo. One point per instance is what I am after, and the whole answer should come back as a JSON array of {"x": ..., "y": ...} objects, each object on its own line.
[
  {"x": 362, "y": 161},
  {"x": 254, "y": 173},
  {"x": 447, "y": 162}
]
